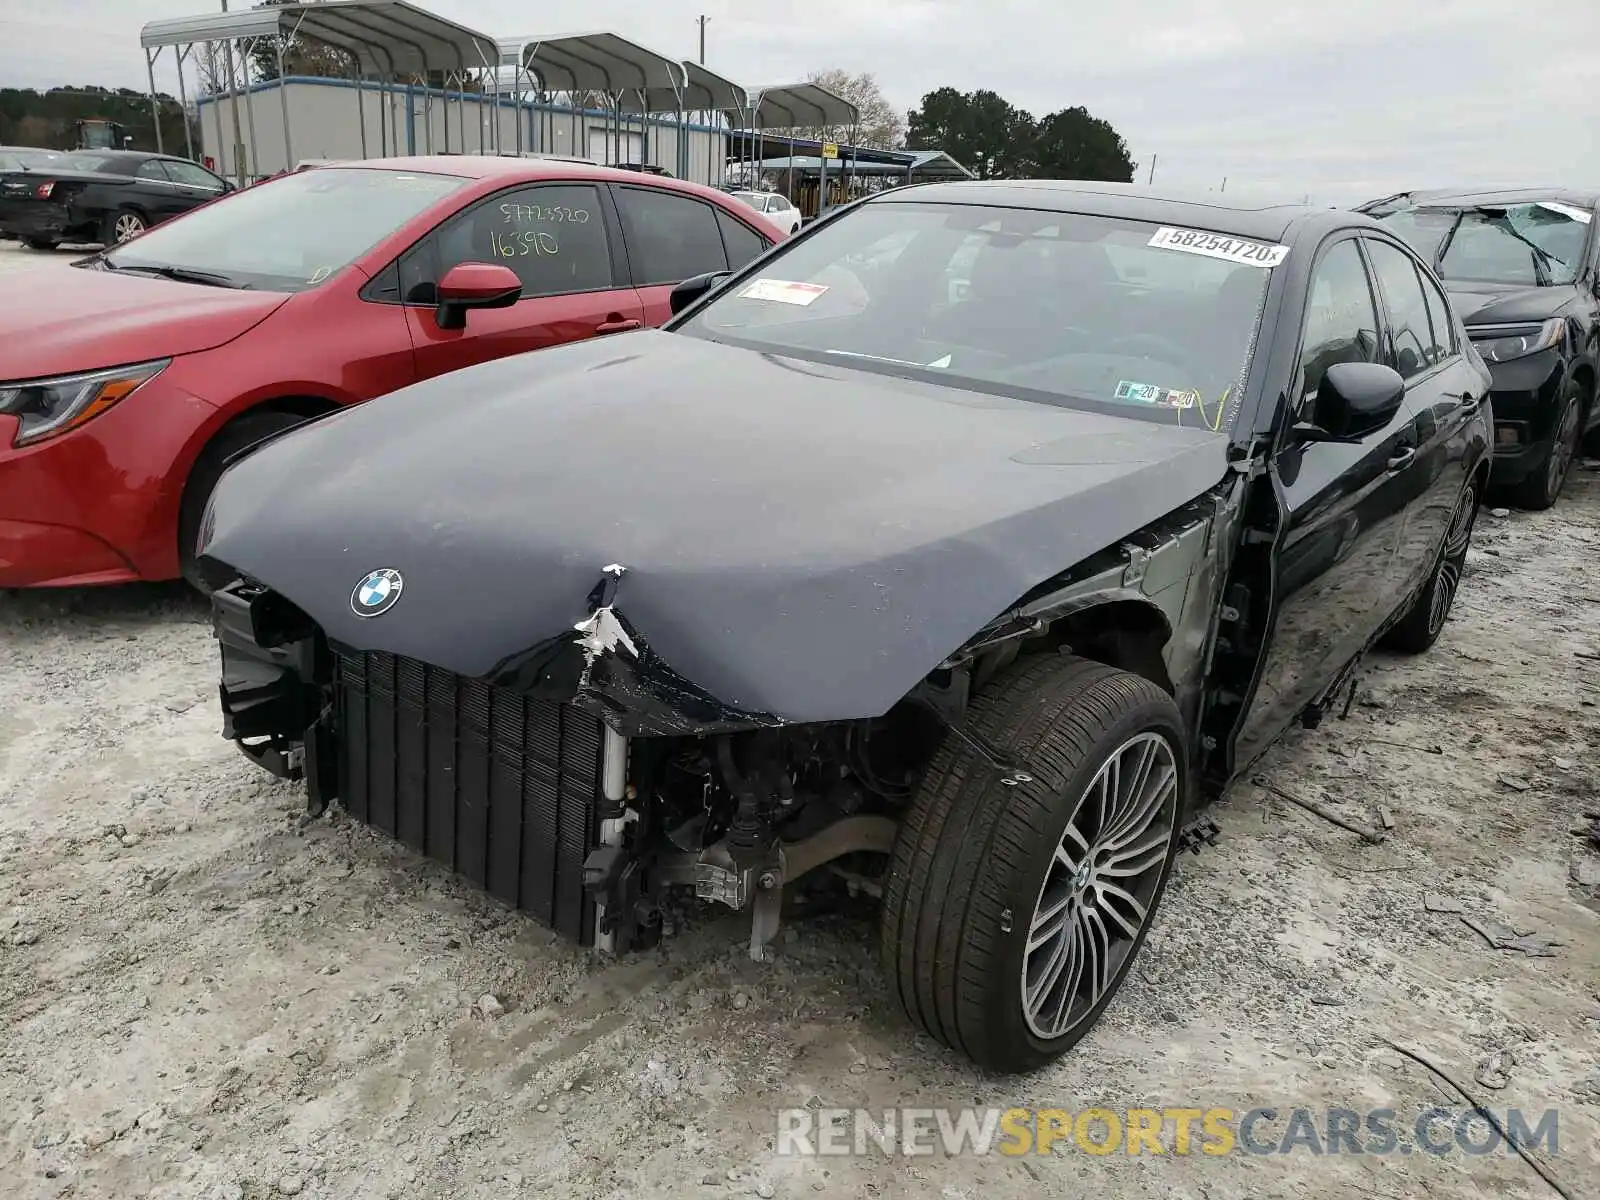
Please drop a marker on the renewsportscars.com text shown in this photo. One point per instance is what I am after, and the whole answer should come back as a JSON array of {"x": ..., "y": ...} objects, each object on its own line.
[{"x": 1439, "y": 1131}]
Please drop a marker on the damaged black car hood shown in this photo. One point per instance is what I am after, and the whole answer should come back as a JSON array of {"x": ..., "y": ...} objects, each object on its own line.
[{"x": 796, "y": 542}]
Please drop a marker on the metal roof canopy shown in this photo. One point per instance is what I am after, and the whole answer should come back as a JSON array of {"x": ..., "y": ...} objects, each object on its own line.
[
  {"x": 703, "y": 91},
  {"x": 390, "y": 36},
  {"x": 798, "y": 105},
  {"x": 595, "y": 62}
]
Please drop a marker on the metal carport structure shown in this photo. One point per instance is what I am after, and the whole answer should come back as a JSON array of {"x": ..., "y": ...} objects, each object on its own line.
[
  {"x": 596, "y": 63},
  {"x": 703, "y": 92},
  {"x": 795, "y": 106},
  {"x": 383, "y": 39}
]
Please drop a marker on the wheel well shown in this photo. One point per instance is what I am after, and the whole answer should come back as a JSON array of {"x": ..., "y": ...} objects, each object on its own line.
[
  {"x": 1127, "y": 634},
  {"x": 298, "y": 406}
]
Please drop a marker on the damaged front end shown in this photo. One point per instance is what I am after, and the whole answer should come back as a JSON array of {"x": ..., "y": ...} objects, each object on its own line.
[{"x": 579, "y": 781}]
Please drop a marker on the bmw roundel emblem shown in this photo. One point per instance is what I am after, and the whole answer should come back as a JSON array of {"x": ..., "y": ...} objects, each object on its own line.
[{"x": 377, "y": 593}]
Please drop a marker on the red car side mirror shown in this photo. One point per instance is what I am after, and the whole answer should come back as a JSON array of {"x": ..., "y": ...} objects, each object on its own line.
[{"x": 472, "y": 285}]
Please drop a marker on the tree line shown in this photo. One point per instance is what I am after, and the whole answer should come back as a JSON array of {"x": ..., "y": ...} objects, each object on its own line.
[
  {"x": 983, "y": 132},
  {"x": 48, "y": 119}
]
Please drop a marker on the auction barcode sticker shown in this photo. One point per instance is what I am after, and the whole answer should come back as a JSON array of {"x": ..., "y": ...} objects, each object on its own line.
[
  {"x": 784, "y": 291},
  {"x": 1216, "y": 245}
]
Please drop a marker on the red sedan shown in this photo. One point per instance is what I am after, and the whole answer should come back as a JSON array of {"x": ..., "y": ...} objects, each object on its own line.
[{"x": 125, "y": 384}]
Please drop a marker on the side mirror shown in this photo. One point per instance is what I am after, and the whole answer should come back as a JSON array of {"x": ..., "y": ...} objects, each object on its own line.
[
  {"x": 471, "y": 285},
  {"x": 691, "y": 289},
  {"x": 1353, "y": 400}
]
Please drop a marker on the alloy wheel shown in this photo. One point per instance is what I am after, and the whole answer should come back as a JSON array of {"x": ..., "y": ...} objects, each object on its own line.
[
  {"x": 1452, "y": 557},
  {"x": 1566, "y": 445},
  {"x": 128, "y": 227},
  {"x": 1100, "y": 884}
]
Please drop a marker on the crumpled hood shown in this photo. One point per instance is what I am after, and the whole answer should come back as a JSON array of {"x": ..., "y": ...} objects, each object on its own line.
[
  {"x": 800, "y": 540},
  {"x": 1498, "y": 304},
  {"x": 59, "y": 321}
]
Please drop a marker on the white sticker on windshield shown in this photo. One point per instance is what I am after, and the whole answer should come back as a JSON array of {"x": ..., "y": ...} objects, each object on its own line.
[
  {"x": 1566, "y": 210},
  {"x": 1216, "y": 245},
  {"x": 783, "y": 291}
]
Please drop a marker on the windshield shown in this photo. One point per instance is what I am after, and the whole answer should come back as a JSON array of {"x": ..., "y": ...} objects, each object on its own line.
[
  {"x": 1524, "y": 244},
  {"x": 1059, "y": 308},
  {"x": 753, "y": 199},
  {"x": 290, "y": 233}
]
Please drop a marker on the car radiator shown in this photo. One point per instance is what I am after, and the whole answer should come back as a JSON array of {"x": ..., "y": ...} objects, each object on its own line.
[{"x": 501, "y": 788}]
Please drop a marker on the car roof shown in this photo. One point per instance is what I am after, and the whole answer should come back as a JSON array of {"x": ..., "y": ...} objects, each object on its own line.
[
  {"x": 506, "y": 169},
  {"x": 1237, "y": 215},
  {"x": 1495, "y": 196}
]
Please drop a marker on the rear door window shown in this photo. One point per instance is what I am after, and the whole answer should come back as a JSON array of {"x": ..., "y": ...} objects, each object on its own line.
[
  {"x": 671, "y": 237},
  {"x": 153, "y": 169}
]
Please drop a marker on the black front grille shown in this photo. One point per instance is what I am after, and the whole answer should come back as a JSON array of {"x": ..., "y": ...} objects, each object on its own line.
[{"x": 499, "y": 787}]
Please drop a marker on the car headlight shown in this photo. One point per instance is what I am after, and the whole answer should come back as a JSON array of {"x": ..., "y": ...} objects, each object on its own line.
[
  {"x": 49, "y": 407},
  {"x": 1503, "y": 345}
]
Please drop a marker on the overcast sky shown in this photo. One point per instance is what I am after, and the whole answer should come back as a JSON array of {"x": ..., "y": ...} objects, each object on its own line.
[{"x": 1340, "y": 100}]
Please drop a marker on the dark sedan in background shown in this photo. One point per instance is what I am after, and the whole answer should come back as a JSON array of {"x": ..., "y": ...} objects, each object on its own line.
[
  {"x": 103, "y": 196},
  {"x": 1523, "y": 268}
]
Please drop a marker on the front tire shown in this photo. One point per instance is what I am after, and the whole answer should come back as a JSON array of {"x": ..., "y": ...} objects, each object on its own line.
[
  {"x": 1419, "y": 629},
  {"x": 1012, "y": 914}
]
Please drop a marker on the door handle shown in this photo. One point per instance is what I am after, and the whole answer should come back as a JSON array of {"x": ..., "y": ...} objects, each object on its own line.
[
  {"x": 617, "y": 326},
  {"x": 1402, "y": 457}
]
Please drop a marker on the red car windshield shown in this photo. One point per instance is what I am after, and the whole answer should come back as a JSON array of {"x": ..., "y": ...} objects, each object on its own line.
[{"x": 288, "y": 234}]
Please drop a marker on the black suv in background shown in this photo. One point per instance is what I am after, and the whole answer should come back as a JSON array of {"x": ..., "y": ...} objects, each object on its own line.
[{"x": 1521, "y": 268}]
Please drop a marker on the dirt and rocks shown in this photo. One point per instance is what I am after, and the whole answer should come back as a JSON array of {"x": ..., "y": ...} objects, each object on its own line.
[{"x": 205, "y": 994}]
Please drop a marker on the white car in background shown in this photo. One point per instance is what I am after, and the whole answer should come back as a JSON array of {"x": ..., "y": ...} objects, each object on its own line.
[{"x": 776, "y": 208}]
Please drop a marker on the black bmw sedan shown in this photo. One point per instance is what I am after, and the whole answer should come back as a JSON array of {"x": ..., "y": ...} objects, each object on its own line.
[
  {"x": 1523, "y": 268},
  {"x": 104, "y": 196},
  {"x": 966, "y": 544}
]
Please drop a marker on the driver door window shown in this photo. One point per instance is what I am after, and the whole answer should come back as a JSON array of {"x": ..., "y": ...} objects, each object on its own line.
[
  {"x": 1412, "y": 350},
  {"x": 556, "y": 239},
  {"x": 552, "y": 237},
  {"x": 192, "y": 176},
  {"x": 1341, "y": 320}
]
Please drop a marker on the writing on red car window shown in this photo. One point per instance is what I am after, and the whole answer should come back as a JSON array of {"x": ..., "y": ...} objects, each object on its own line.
[
  {"x": 523, "y": 214},
  {"x": 522, "y": 242},
  {"x": 1216, "y": 245}
]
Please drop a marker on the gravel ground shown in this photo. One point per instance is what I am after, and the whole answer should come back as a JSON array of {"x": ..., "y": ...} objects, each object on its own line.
[
  {"x": 204, "y": 994},
  {"x": 15, "y": 257}
]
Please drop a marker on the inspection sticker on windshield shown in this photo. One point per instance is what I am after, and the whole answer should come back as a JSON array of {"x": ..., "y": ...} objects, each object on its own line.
[
  {"x": 1215, "y": 245},
  {"x": 1566, "y": 210},
  {"x": 1149, "y": 393},
  {"x": 783, "y": 291}
]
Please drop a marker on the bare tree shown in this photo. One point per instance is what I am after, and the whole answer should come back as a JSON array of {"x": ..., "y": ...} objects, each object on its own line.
[{"x": 882, "y": 126}]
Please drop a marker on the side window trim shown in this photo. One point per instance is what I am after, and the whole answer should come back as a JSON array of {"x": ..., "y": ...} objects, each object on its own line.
[{"x": 1386, "y": 326}]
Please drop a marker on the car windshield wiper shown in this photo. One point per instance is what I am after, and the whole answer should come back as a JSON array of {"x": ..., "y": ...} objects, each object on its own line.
[
  {"x": 938, "y": 363},
  {"x": 1542, "y": 258},
  {"x": 181, "y": 274}
]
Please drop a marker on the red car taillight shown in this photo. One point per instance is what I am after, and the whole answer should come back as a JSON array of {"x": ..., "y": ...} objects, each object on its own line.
[{"x": 44, "y": 189}]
